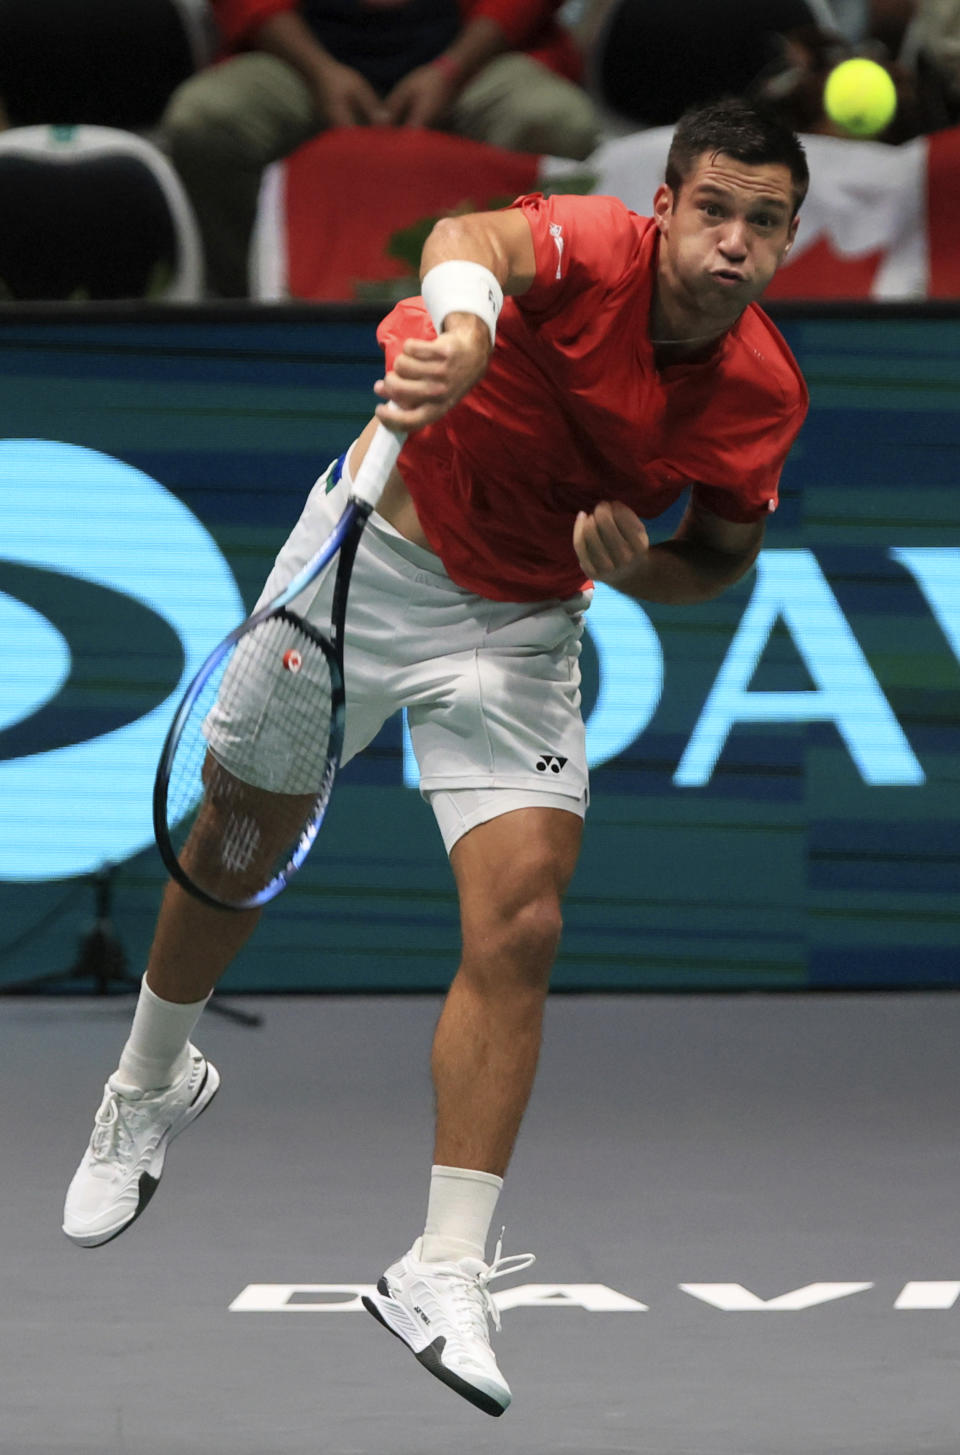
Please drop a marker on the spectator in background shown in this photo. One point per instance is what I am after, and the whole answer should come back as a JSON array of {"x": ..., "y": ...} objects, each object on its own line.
[
  {"x": 498, "y": 71},
  {"x": 651, "y": 60},
  {"x": 930, "y": 47}
]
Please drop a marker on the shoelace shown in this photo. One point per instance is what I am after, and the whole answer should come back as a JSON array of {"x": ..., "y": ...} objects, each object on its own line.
[
  {"x": 112, "y": 1138},
  {"x": 473, "y": 1311},
  {"x": 108, "y": 1129}
]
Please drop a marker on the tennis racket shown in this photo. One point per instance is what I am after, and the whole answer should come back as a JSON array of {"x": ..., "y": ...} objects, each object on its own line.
[{"x": 249, "y": 763}]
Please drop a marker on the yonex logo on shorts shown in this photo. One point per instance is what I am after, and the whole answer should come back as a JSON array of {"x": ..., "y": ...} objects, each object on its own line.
[{"x": 551, "y": 761}]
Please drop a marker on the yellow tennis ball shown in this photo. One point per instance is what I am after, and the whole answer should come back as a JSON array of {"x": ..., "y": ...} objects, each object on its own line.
[{"x": 860, "y": 96}]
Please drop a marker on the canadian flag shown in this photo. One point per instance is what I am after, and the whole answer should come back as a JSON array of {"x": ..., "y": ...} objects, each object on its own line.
[
  {"x": 328, "y": 213},
  {"x": 879, "y": 222}
]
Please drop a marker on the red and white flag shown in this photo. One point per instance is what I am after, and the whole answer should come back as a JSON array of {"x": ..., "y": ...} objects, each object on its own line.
[{"x": 879, "y": 222}]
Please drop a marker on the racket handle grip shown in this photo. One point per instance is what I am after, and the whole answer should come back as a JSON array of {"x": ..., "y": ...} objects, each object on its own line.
[{"x": 379, "y": 460}]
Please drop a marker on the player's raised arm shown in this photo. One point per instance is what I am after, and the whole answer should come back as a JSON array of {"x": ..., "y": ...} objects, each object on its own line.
[{"x": 468, "y": 265}]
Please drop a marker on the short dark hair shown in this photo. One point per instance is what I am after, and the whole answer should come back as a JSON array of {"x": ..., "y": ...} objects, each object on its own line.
[{"x": 742, "y": 129}]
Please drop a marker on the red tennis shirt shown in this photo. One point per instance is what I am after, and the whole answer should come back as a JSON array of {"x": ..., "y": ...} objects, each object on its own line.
[{"x": 572, "y": 410}]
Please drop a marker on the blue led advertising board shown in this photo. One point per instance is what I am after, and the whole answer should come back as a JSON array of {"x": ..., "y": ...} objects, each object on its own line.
[{"x": 775, "y": 775}]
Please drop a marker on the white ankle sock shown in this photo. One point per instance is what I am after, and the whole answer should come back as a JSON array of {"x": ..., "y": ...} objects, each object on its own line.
[
  {"x": 459, "y": 1214},
  {"x": 156, "y": 1052}
]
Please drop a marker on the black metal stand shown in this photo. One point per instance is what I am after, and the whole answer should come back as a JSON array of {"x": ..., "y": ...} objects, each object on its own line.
[{"x": 102, "y": 960}]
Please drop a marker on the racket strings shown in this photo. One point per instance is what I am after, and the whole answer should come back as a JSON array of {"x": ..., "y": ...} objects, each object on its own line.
[{"x": 252, "y": 770}]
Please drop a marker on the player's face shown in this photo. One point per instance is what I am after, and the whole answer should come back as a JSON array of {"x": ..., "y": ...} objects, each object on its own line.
[{"x": 724, "y": 234}]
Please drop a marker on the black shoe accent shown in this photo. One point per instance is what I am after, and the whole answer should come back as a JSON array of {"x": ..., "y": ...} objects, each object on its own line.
[
  {"x": 148, "y": 1186},
  {"x": 199, "y": 1091},
  {"x": 371, "y": 1308},
  {"x": 430, "y": 1358}
]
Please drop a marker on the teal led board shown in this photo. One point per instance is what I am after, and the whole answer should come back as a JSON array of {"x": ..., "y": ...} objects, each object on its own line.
[{"x": 775, "y": 775}]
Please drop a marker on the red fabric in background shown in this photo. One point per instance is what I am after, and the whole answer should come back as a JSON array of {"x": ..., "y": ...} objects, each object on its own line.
[
  {"x": 821, "y": 272},
  {"x": 943, "y": 213},
  {"x": 349, "y": 190}
]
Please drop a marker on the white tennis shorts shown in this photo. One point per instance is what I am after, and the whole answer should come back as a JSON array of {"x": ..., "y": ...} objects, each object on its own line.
[{"x": 492, "y": 689}]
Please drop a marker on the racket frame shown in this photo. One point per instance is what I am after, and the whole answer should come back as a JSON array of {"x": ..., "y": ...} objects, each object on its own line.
[{"x": 343, "y": 539}]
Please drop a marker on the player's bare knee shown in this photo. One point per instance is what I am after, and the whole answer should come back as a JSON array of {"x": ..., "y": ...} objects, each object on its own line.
[
  {"x": 517, "y": 946},
  {"x": 534, "y": 931}
]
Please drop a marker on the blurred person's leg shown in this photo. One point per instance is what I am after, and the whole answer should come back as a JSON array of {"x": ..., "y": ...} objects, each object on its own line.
[
  {"x": 221, "y": 128},
  {"x": 517, "y": 103}
]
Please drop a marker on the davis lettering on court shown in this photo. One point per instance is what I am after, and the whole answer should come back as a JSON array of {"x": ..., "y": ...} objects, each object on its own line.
[{"x": 598, "y": 1298}]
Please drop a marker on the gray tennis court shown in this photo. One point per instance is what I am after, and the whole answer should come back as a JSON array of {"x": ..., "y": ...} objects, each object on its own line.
[{"x": 686, "y": 1161}]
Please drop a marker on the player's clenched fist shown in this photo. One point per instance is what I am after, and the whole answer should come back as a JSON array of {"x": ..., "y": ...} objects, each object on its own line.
[
  {"x": 430, "y": 376},
  {"x": 611, "y": 543}
]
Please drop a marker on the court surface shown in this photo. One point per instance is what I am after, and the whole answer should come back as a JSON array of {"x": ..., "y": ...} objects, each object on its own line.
[{"x": 680, "y": 1153}]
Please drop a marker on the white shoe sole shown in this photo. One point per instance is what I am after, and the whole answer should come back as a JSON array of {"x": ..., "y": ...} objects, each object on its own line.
[
  {"x": 394, "y": 1317},
  {"x": 150, "y": 1177}
]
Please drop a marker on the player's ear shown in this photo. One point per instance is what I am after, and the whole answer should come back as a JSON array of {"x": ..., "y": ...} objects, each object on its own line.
[
  {"x": 791, "y": 235},
  {"x": 663, "y": 202}
]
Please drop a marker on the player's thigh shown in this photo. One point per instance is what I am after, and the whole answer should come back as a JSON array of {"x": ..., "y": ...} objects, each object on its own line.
[
  {"x": 270, "y": 725},
  {"x": 512, "y": 872},
  {"x": 502, "y": 754},
  {"x": 250, "y": 110},
  {"x": 525, "y": 853}
]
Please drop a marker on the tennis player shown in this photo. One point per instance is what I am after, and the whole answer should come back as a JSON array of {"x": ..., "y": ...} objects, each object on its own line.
[{"x": 570, "y": 371}]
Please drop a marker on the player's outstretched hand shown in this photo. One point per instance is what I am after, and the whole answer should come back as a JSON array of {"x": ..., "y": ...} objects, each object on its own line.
[
  {"x": 612, "y": 543},
  {"x": 430, "y": 376}
]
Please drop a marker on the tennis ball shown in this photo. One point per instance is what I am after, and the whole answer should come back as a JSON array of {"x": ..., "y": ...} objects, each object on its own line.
[{"x": 860, "y": 96}]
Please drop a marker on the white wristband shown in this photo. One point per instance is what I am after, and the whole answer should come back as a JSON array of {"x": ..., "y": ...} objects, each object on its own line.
[{"x": 461, "y": 287}]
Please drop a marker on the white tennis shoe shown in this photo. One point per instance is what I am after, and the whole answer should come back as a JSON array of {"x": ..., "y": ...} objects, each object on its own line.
[
  {"x": 442, "y": 1312},
  {"x": 124, "y": 1160}
]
